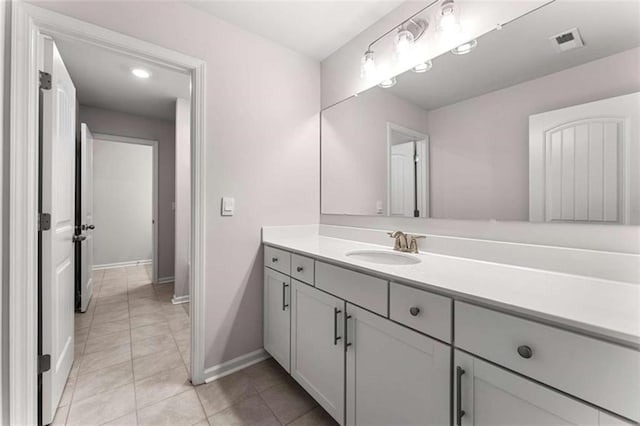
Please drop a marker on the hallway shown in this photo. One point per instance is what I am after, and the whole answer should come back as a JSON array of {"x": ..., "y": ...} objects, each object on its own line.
[{"x": 131, "y": 360}]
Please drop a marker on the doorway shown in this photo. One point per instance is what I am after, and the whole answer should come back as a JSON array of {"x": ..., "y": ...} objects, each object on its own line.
[
  {"x": 29, "y": 22},
  {"x": 408, "y": 171},
  {"x": 125, "y": 181}
]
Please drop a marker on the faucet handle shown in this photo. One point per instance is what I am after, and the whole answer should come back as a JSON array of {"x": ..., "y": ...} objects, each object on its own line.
[{"x": 413, "y": 244}]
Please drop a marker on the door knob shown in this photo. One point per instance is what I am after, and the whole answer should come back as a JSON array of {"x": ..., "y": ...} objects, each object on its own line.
[
  {"x": 79, "y": 238},
  {"x": 299, "y": 269},
  {"x": 91, "y": 227},
  {"x": 414, "y": 311}
]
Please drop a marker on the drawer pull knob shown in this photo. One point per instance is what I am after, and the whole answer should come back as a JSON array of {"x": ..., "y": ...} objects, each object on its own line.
[
  {"x": 414, "y": 311},
  {"x": 525, "y": 351},
  {"x": 299, "y": 269},
  {"x": 274, "y": 259}
]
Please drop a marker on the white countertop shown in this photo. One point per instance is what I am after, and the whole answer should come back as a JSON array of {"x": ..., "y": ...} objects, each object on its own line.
[{"x": 606, "y": 308}]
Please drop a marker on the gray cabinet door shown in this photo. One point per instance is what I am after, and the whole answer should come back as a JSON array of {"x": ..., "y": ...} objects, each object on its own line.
[
  {"x": 395, "y": 376},
  {"x": 493, "y": 396},
  {"x": 277, "y": 316},
  {"x": 317, "y": 346}
]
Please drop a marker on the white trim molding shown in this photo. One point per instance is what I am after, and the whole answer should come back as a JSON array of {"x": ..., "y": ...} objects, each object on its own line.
[
  {"x": 166, "y": 280},
  {"x": 28, "y": 23},
  {"x": 178, "y": 300},
  {"x": 235, "y": 364},
  {"x": 122, "y": 264}
]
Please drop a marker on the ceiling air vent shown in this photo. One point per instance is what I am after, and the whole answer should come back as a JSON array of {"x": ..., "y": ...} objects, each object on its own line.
[{"x": 567, "y": 40}]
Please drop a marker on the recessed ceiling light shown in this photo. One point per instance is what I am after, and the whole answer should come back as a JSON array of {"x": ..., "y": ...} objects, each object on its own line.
[
  {"x": 140, "y": 73},
  {"x": 465, "y": 48},
  {"x": 390, "y": 82},
  {"x": 423, "y": 67}
]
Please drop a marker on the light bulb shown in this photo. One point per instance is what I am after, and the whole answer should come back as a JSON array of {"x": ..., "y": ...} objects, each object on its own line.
[
  {"x": 465, "y": 48},
  {"x": 367, "y": 65},
  {"x": 140, "y": 73},
  {"x": 404, "y": 41},
  {"x": 449, "y": 20},
  {"x": 423, "y": 67},
  {"x": 387, "y": 83}
]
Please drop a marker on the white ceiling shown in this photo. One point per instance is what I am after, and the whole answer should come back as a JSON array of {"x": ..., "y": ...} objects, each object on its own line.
[
  {"x": 103, "y": 79},
  {"x": 315, "y": 28},
  {"x": 521, "y": 51}
]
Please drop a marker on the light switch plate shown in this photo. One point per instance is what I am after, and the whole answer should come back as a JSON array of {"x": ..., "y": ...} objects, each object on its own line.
[{"x": 228, "y": 206}]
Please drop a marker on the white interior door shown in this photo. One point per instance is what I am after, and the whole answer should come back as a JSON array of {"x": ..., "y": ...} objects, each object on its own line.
[
  {"x": 402, "y": 179},
  {"x": 583, "y": 162},
  {"x": 86, "y": 215},
  {"x": 58, "y": 199}
]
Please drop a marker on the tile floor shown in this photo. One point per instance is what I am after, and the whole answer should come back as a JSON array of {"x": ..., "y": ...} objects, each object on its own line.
[{"x": 131, "y": 361}]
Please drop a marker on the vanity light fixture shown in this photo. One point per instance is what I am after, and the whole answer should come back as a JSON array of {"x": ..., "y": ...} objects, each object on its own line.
[
  {"x": 423, "y": 67},
  {"x": 387, "y": 83},
  {"x": 140, "y": 72},
  {"x": 449, "y": 17},
  {"x": 409, "y": 32},
  {"x": 465, "y": 48},
  {"x": 367, "y": 65}
]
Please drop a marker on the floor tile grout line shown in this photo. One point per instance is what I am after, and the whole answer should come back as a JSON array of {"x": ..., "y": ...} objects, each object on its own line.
[{"x": 264, "y": 401}]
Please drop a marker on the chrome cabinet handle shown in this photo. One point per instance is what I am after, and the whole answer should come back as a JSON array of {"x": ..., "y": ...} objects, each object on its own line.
[
  {"x": 336, "y": 312},
  {"x": 414, "y": 311},
  {"x": 525, "y": 351},
  {"x": 91, "y": 227},
  {"x": 299, "y": 269},
  {"x": 274, "y": 259},
  {"x": 284, "y": 296},
  {"x": 78, "y": 238},
  {"x": 459, "y": 411}
]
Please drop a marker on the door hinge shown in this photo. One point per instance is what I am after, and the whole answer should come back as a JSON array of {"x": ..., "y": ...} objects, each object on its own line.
[
  {"x": 45, "y": 80},
  {"x": 44, "y": 222},
  {"x": 44, "y": 363}
]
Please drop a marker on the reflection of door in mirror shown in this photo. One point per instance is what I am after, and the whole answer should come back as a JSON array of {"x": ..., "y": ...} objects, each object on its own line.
[
  {"x": 408, "y": 171},
  {"x": 579, "y": 168}
]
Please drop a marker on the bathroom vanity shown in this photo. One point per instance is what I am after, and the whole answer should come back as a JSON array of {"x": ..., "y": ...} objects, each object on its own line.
[
  {"x": 439, "y": 340},
  {"x": 530, "y": 129}
]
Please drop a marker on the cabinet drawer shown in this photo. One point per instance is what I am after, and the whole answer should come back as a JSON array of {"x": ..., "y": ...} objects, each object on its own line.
[
  {"x": 426, "y": 312},
  {"x": 277, "y": 259},
  {"x": 354, "y": 287},
  {"x": 602, "y": 373},
  {"x": 302, "y": 268}
]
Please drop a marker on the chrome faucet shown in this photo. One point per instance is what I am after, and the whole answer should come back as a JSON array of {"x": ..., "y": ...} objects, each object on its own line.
[
  {"x": 405, "y": 243},
  {"x": 401, "y": 241}
]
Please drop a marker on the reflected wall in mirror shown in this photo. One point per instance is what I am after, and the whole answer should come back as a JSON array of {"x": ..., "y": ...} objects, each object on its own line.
[{"x": 540, "y": 122}]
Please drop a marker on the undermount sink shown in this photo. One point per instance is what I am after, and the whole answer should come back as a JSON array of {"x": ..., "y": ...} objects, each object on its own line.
[{"x": 384, "y": 257}]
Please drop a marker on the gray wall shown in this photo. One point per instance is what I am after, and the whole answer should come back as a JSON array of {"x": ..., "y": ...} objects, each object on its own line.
[
  {"x": 121, "y": 124},
  {"x": 262, "y": 136},
  {"x": 122, "y": 202}
]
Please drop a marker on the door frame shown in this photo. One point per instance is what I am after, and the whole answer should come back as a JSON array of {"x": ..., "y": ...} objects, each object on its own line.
[
  {"x": 27, "y": 23},
  {"x": 154, "y": 192}
]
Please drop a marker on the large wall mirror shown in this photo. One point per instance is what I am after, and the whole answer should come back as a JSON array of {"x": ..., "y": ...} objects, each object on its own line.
[{"x": 539, "y": 122}]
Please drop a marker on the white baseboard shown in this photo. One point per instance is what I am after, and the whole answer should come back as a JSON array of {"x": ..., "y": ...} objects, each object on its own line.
[
  {"x": 122, "y": 264},
  {"x": 176, "y": 300},
  {"x": 233, "y": 365},
  {"x": 166, "y": 280}
]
